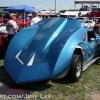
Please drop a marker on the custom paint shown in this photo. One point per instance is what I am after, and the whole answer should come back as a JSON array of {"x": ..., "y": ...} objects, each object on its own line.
[{"x": 44, "y": 51}]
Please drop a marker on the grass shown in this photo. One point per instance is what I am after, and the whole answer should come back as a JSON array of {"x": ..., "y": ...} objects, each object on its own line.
[{"x": 87, "y": 88}]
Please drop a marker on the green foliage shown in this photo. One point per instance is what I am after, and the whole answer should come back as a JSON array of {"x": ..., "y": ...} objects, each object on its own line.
[
  {"x": 43, "y": 10},
  {"x": 1, "y": 9},
  {"x": 62, "y": 11}
]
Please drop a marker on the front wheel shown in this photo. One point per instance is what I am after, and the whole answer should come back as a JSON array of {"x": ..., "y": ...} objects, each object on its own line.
[{"x": 75, "y": 69}]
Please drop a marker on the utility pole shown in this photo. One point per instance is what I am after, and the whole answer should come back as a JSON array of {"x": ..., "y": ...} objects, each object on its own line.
[{"x": 55, "y": 6}]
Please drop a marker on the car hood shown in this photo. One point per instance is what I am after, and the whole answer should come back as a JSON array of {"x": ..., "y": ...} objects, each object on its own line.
[{"x": 38, "y": 47}]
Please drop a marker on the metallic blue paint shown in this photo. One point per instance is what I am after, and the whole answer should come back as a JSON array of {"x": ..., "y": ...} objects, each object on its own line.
[{"x": 44, "y": 50}]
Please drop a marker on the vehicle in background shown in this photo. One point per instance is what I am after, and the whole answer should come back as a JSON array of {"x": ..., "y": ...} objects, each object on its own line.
[
  {"x": 3, "y": 39},
  {"x": 89, "y": 23},
  {"x": 3, "y": 43},
  {"x": 3, "y": 28},
  {"x": 75, "y": 13},
  {"x": 82, "y": 19},
  {"x": 94, "y": 14}
]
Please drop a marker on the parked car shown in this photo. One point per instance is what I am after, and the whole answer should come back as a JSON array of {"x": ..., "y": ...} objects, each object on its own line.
[
  {"x": 89, "y": 23},
  {"x": 3, "y": 28},
  {"x": 82, "y": 19},
  {"x": 53, "y": 48},
  {"x": 3, "y": 43},
  {"x": 3, "y": 39}
]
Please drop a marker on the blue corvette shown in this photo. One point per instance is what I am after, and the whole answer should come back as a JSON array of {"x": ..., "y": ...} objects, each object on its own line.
[{"x": 53, "y": 48}]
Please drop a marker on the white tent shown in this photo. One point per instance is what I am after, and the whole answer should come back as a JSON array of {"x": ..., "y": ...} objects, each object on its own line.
[
  {"x": 87, "y": 1},
  {"x": 91, "y": 2}
]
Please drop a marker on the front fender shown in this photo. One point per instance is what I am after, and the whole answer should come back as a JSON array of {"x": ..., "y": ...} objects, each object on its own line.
[
  {"x": 22, "y": 39},
  {"x": 61, "y": 51}
]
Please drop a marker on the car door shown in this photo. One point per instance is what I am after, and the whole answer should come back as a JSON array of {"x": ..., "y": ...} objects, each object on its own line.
[
  {"x": 89, "y": 45},
  {"x": 97, "y": 44}
]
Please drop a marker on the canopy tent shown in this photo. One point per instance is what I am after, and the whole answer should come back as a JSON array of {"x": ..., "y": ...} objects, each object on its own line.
[
  {"x": 91, "y": 2},
  {"x": 21, "y": 8}
]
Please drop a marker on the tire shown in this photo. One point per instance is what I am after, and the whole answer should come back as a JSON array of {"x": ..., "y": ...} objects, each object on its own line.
[{"x": 75, "y": 69}]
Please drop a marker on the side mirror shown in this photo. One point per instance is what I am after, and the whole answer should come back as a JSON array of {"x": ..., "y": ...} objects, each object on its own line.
[{"x": 92, "y": 39}]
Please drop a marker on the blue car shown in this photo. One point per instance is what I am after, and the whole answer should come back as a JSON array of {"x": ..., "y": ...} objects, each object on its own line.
[{"x": 51, "y": 49}]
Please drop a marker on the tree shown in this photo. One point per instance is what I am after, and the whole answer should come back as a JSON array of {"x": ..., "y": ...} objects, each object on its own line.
[{"x": 62, "y": 11}]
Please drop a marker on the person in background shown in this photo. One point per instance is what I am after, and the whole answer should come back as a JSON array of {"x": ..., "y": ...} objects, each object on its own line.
[
  {"x": 79, "y": 14},
  {"x": 11, "y": 26},
  {"x": 19, "y": 17},
  {"x": 96, "y": 33},
  {"x": 26, "y": 17},
  {"x": 96, "y": 30},
  {"x": 35, "y": 18},
  {"x": 29, "y": 18}
]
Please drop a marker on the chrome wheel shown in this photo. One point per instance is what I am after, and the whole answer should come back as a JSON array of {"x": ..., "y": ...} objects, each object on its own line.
[
  {"x": 78, "y": 68},
  {"x": 75, "y": 69}
]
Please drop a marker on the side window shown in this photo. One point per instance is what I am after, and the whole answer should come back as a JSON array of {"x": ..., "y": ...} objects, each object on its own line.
[{"x": 90, "y": 35}]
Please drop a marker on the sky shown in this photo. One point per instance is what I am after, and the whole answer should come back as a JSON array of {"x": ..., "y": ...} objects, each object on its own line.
[{"x": 42, "y": 4}]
